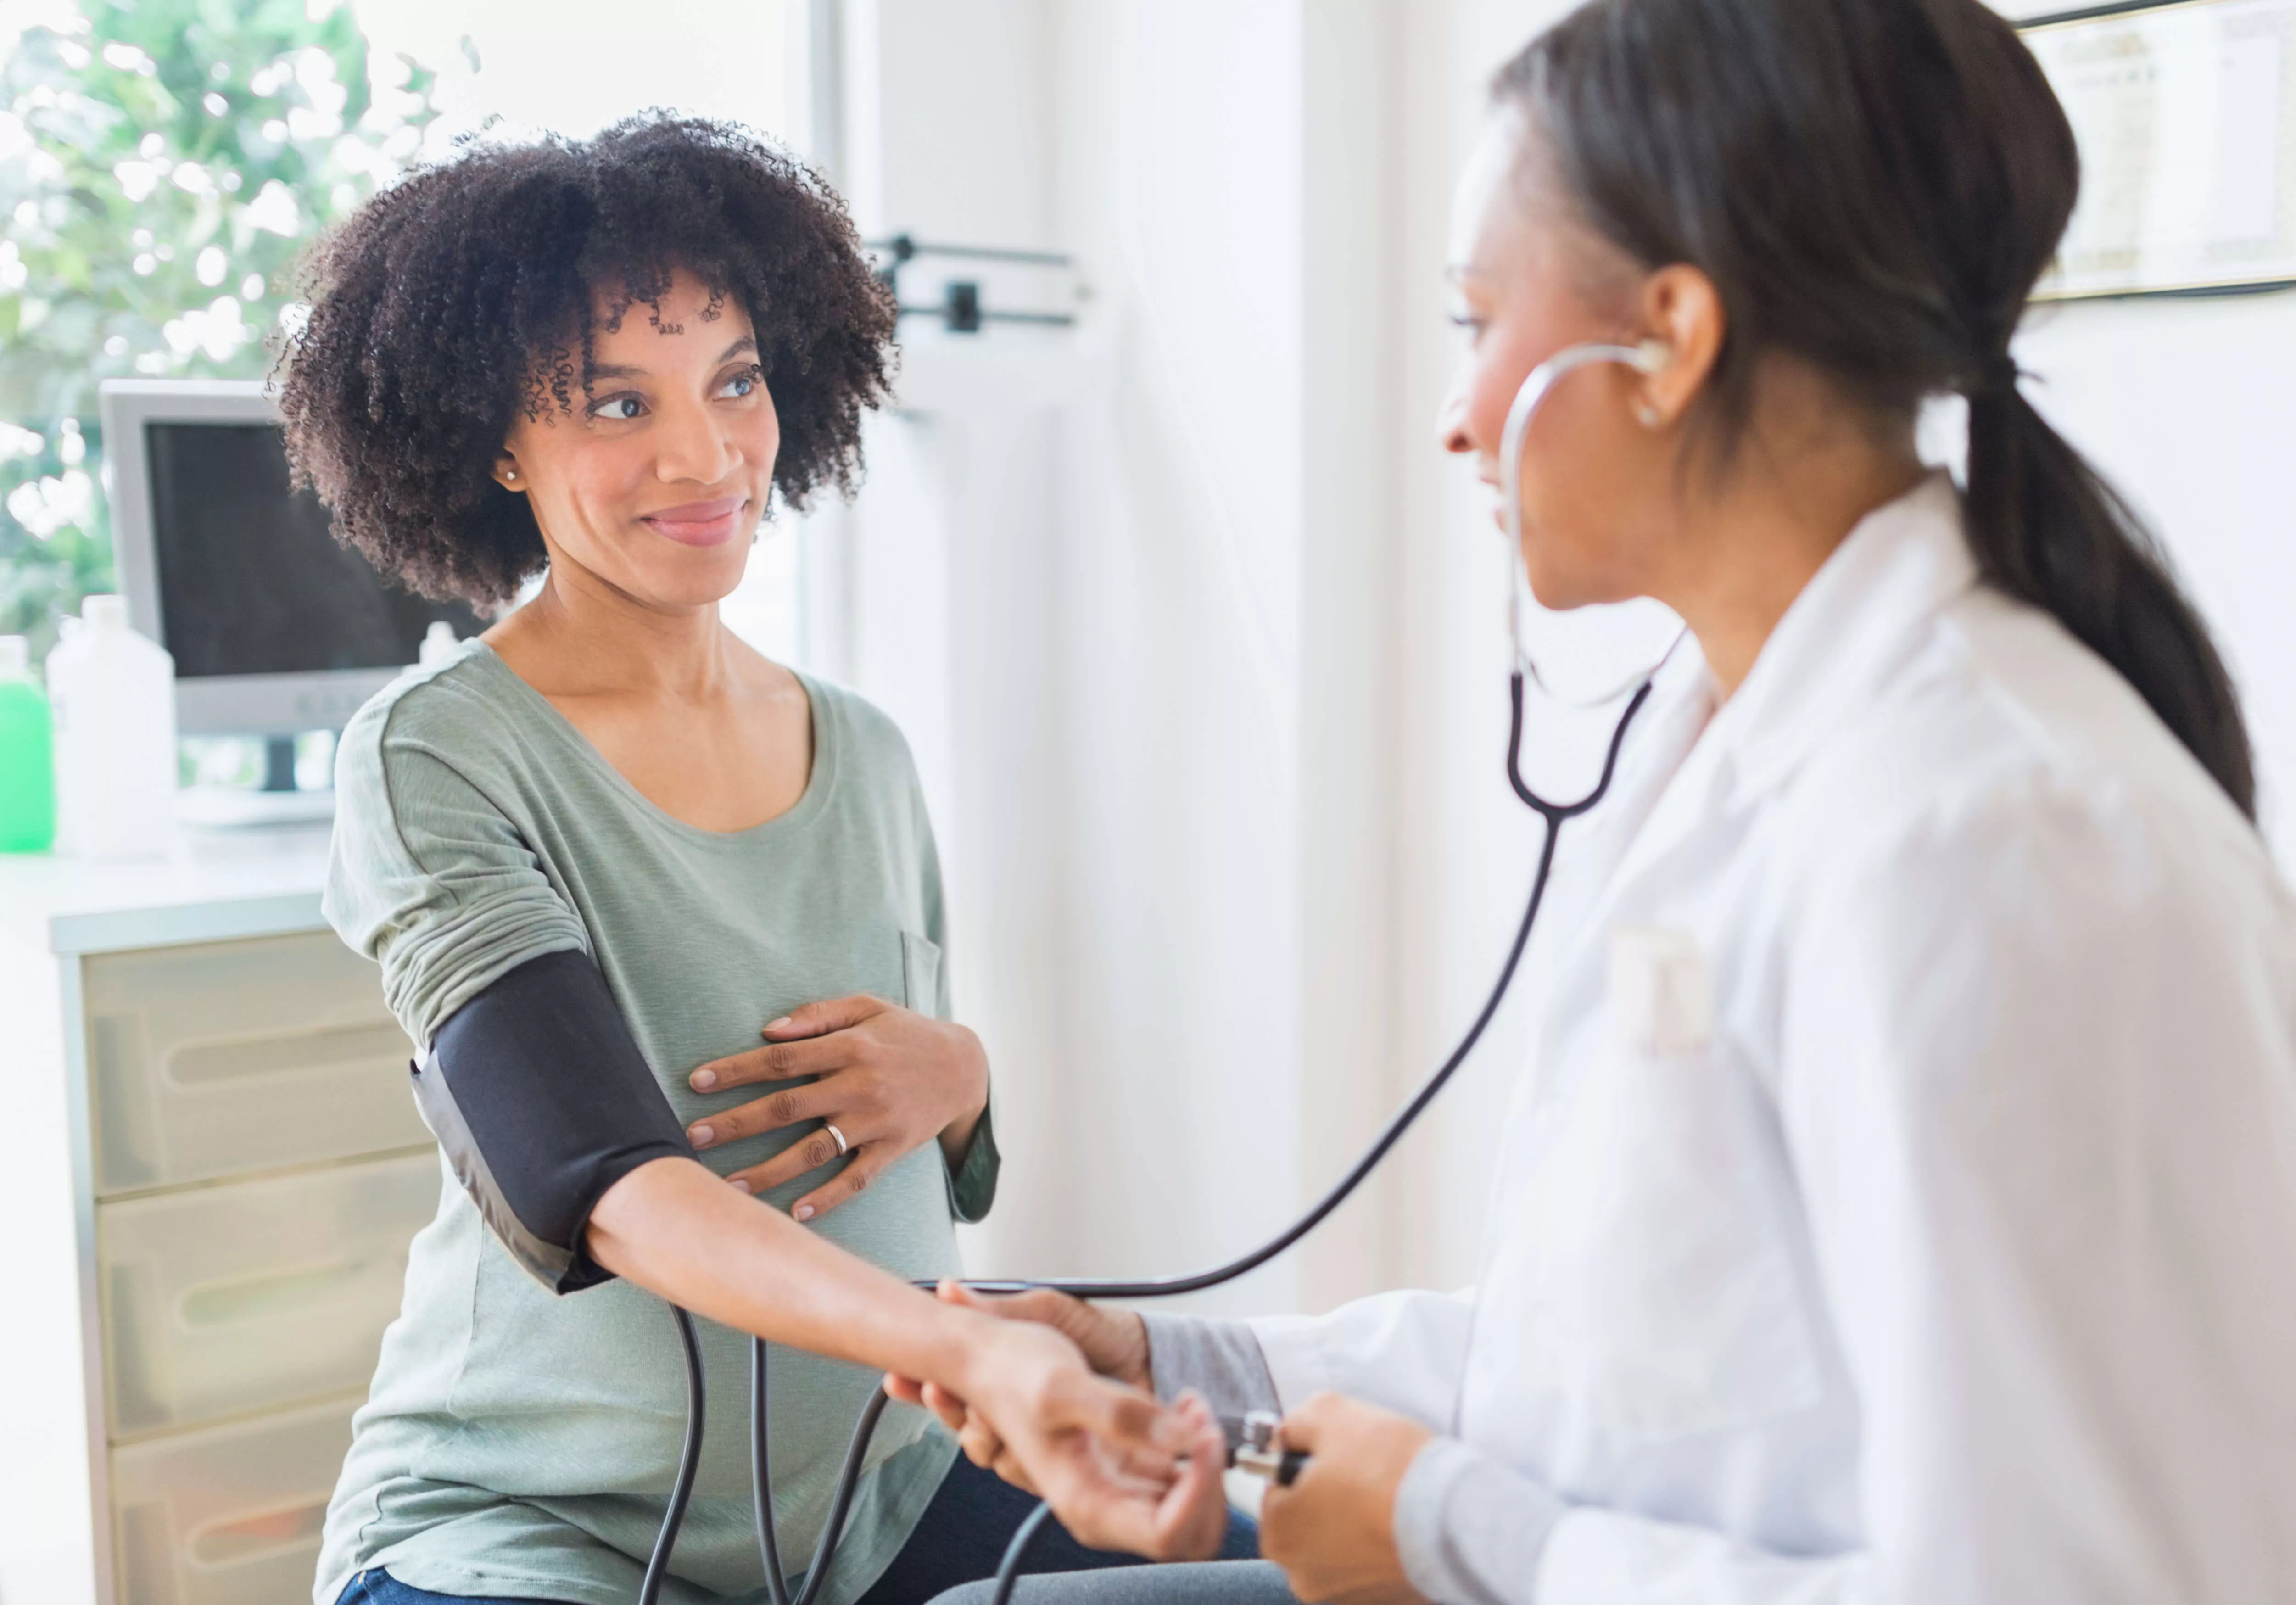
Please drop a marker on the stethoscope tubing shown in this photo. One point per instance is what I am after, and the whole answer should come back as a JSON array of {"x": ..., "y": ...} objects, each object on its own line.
[
  {"x": 689, "y": 1464},
  {"x": 1534, "y": 391},
  {"x": 1554, "y": 815},
  {"x": 1341, "y": 1190}
]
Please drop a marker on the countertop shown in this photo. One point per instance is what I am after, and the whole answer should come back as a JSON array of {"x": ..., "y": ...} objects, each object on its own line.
[{"x": 213, "y": 885}]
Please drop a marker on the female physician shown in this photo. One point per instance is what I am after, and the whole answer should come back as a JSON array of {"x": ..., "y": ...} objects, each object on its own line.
[
  {"x": 607, "y": 844},
  {"x": 1901, "y": 1204}
]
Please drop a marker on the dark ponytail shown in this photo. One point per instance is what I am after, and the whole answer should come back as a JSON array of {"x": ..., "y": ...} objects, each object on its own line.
[{"x": 1874, "y": 187}]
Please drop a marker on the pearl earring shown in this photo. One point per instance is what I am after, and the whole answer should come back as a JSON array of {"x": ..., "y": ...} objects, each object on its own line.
[
  {"x": 1647, "y": 415},
  {"x": 512, "y": 474}
]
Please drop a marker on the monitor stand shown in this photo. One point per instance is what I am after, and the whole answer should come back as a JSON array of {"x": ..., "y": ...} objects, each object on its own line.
[{"x": 280, "y": 802}]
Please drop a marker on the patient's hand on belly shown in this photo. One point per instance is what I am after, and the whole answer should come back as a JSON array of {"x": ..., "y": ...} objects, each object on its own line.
[{"x": 890, "y": 1080}]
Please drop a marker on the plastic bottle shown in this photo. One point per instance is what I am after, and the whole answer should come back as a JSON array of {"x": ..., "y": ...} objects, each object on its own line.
[
  {"x": 114, "y": 694},
  {"x": 28, "y": 768},
  {"x": 439, "y": 643},
  {"x": 69, "y": 633}
]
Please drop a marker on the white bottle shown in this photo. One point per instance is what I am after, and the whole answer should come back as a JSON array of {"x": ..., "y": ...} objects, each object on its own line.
[
  {"x": 71, "y": 635},
  {"x": 439, "y": 643},
  {"x": 114, "y": 694}
]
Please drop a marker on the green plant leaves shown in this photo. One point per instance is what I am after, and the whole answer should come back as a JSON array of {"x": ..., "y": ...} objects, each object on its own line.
[{"x": 161, "y": 163}]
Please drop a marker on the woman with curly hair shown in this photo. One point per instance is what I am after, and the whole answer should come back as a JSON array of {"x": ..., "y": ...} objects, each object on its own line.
[{"x": 597, "y": 361}]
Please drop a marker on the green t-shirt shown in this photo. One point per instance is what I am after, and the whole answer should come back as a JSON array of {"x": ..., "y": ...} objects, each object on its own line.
[{"x": 521, "y": 1444}]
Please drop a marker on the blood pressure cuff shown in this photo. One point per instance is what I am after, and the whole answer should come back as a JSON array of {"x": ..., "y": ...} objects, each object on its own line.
[{"x": 541, "y": 1100}]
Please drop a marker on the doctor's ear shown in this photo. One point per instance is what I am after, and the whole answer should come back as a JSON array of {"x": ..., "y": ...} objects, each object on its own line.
[{"x": 1683, "y": 317}]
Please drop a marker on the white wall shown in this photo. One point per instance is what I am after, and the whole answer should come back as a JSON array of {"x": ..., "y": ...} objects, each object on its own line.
[
  {"x": 2190, "y": 408},
  {"x": 1465, "y": 848},
  {"x": 1083, "y": 604},
  {"x": 1180, "y": 144},
  {"x": 534, "y": 62}
]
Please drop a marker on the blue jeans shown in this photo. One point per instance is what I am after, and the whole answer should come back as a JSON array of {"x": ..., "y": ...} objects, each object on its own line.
[{"x": 959, "y": 1539}]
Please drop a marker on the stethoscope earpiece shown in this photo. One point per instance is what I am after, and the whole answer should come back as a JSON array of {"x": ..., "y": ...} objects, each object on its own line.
[{"x": 1650, "y": 357}]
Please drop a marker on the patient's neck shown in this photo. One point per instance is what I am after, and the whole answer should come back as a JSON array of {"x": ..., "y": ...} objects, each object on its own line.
[{"x": 583, "y": 636}]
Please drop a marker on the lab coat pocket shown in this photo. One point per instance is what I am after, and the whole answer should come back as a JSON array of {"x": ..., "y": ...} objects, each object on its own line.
[
  {"x": 1677, "y": 1311},
  {"x": 921, "y": 978}
]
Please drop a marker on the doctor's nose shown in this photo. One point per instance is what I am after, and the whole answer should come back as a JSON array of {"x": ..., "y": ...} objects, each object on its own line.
[{"x": 1451, "y": 431}]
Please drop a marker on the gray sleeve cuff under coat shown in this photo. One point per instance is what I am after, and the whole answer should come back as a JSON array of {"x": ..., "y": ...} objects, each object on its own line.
[{"x": 1219, "y": 1359}]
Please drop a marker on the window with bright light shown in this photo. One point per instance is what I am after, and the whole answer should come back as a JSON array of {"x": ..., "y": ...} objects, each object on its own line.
[{"x": 163, "y": 162}]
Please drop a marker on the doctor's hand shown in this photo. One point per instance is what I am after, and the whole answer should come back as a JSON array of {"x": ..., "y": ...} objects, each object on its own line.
[
  {"x": 1115, "y": 1341},
  {"x": 890, "y": 1080},
  {"x": 1115, "y": 1344},
  {"x": 1333, "y": 1531},
  {"x": 1120, "y": 1470}
]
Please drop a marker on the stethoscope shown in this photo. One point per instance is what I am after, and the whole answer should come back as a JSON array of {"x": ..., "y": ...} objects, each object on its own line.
[{"x": 1648, "y": 358}]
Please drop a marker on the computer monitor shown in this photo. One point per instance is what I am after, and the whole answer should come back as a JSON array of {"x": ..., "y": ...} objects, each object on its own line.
[{"x": 275, "y": 626}]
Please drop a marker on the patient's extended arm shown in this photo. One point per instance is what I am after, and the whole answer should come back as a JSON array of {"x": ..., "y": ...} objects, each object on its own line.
[{"x": 550, "y": 1116}]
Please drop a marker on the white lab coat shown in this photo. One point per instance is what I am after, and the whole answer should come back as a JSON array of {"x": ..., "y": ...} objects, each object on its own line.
[{"x": 1957, "y": 1261}]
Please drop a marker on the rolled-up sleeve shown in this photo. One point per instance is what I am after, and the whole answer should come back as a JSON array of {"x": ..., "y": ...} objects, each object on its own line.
[
  {"x": 433, "y": 880},
  {"x": 973, "y": 1184}
]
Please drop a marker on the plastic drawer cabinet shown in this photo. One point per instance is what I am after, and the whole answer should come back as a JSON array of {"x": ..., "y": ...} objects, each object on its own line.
[{"x": 214, "y": 1168}]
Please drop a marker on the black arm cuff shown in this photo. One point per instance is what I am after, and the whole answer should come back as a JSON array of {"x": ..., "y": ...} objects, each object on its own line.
[{"x": 541, "y": 1100}]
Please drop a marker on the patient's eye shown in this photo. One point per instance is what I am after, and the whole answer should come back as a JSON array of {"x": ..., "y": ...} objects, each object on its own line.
[
  {"x": 742, "y": 384},
  {"x": 620, "y": 408}
]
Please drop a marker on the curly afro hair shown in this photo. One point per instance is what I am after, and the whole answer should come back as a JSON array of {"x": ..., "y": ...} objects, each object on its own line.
[{"x": 471, "y": 290}]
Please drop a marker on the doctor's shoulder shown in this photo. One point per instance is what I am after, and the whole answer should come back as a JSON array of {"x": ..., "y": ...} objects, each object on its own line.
[{"x": 2006, "y": 761}]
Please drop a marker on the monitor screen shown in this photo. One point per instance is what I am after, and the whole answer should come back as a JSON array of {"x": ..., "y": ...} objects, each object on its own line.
[{"x": 251, "y": 582}]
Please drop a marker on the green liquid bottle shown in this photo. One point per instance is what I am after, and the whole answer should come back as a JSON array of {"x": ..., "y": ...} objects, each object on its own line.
[{"x": 28, "y": 764}]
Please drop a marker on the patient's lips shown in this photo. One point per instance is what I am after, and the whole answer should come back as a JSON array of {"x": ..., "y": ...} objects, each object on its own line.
[{"x": 699, "y": 523}]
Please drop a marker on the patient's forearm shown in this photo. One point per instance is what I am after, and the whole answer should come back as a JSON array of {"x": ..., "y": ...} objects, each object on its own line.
[{"x": 675, "y": 1229}]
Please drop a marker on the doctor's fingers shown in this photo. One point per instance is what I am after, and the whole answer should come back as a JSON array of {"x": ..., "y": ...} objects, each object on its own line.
[
  {"x": 1129, "y": 1469},
  {"x": 1116, "y": 1415},
  {"x": 775, "y": 1061},
  {"x": 955, "y": 1413},
  {"x": 1115, "y": 1342},
  {"x": 1174, "y": 1517},
  {"x": 985, "y": 1447},
  {"x": 983, "y": 1444},
  {"x": 1191, "y": 1518}
]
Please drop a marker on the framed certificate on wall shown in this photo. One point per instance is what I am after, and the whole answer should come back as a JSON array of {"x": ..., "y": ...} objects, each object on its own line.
[{"x": 2185, "y": 113}]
